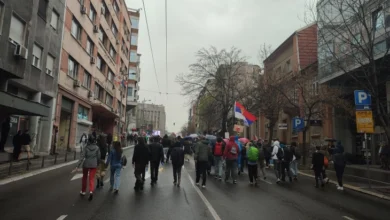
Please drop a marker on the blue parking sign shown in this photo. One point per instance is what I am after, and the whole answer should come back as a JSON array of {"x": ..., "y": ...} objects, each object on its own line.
[
  {"x": 298, "y": 124},
  {"x": 362, "y": 97}
]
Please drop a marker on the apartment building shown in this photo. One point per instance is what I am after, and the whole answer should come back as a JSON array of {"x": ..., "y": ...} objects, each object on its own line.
[
  {"x": 134, "y": 76},
  {"x": 93, "y": 72},
  {"x": 151, "y": 117},
  {"x": 30, "y": 42},
  {"x": 289, "y": 59}
]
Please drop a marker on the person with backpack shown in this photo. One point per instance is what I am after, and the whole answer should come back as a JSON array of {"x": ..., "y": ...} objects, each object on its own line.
[
  {"x": 218, "y": 149},
  {"x": 286, "y": 160},
  {"x": 116, "y": 162},
  {"x": 156, "y": 157},
  {"x": 140, "y": 161},
  {"x": 253, "y": 158},
  {"x": 202, "y": 154},
  {"x": 177, "y": 157},
  {"x": 318, "y": 166},
  {"x": 230, "y": 155},
  {"x": 295, "y": 160},
  {"x": 339, "y": 164},
  {"x": 277, "y": 156}
]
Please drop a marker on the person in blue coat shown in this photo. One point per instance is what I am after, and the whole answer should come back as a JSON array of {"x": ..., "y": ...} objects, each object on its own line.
[
  {"x": 239, "y": 153},
  {"x": 115, "y": 161}
]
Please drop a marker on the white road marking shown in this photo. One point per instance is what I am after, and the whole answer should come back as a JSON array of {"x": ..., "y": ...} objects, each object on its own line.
[
  {"x": 77, "y": 176},
  {"x": 204, "y": 199},
  {"x": 62, "y": 217},
  {"x": 266, "y": 181},
  {"x": 346, "y": 217}
]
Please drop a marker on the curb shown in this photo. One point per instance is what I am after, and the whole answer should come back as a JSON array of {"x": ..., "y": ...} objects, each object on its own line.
[
  {"x": 354, "y": 188},
  {"x": 43, "y": 170}
]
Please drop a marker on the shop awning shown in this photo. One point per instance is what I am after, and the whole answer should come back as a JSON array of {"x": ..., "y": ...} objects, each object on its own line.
[{"x": 15, "y": 105}]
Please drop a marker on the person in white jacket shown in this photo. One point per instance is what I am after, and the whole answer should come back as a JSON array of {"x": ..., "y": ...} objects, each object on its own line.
[{"x": 276, "y": 160}]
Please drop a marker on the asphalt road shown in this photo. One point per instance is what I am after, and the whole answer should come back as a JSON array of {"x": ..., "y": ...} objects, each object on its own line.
[{"x": 52, "y": 195}]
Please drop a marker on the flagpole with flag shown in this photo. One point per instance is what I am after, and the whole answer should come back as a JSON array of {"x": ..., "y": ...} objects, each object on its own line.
[{"x": 241, "y": 113}]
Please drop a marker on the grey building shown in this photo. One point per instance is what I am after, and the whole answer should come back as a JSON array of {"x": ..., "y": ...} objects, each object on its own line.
[
  {"x": 151, "y": 117},
  {"x": 30, "y": 42}
]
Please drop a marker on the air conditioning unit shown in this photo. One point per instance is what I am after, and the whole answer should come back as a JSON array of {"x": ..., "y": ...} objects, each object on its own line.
[
  {"x": 93, "y": 60},
  {"x": 95, "y": 28},
  {"x": 83, "y": 10},
  {"x": 90, "y": 94},
  {"x": 21, "y": 52},
  {"x": 76, "y": 83}
]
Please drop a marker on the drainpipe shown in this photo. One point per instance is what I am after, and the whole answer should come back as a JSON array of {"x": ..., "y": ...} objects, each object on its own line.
[{"x": 297, "y": 43}]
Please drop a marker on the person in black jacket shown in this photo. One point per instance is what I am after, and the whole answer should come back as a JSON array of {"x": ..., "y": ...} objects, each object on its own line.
[
  {"x": 17, "y": 145},
  {"x": 140, "y": 161},
  {"x": 156, "y": 156},
  {"x": 318, "y": 165},
  {"x": 287, "y": 158},
  {"x": 177, "y": 156},
  {"x": 166, "y": 145}
]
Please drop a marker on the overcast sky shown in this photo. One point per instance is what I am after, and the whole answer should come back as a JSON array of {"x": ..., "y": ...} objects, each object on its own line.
[{"x": 193, "y": 24}]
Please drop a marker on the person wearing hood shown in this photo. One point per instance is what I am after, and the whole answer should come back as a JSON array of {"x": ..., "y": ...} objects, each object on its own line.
[
  {"x": 166, "y": 142},
  {"x": 177, "y": 157},
  {"x": 231, "y": 155},
  {"x": 90, "y": 159},
  {"x": 277, "y": 156},
  {"x": 239, "y": 156},
  {"x": 202, "y": 154},
  {"x": 218, "y": 149},
  {"x": 339, "y": 164}
]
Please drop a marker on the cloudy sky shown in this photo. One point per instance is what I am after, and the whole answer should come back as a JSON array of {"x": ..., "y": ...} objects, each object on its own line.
[{"x": 194, "y": 24}]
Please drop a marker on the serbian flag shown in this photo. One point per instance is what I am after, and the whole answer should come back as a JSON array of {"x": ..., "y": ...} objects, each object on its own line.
[{"x": 241, "y": 113}]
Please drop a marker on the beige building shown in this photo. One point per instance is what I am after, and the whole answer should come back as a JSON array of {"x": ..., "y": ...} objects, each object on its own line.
[{"x": 93, "y": 70}]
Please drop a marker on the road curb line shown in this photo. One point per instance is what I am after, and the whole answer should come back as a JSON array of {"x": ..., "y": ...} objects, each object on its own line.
[
  {"x": 40, "y": 171},
  {"x": 353, "y": 188}
]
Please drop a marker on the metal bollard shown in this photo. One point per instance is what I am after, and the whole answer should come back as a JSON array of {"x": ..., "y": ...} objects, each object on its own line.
[
  {"x": 55, "y": 158},
  {"x": 10, "y": 167},
  {"x": 66, "y": 156},
  {"x": 43, "y": 162},
  {"x": 74, "y": 156}
]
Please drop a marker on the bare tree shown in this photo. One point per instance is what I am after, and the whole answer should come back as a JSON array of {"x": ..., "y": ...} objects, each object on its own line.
[
  {"x": 208, "y": 113},
  {"x": 353, "y": 42},
  {"x": 215, "y": 73}
]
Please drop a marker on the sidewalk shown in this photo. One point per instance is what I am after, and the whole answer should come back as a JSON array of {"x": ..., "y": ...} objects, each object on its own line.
[
  {"x": 10, "y": 169},
  {"x": 357, "y": 183}
]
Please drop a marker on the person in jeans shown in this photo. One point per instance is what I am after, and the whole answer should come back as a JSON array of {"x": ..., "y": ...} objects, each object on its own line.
[
  {"x": 339, "y": 164},
  {"x": 156, "y": 157},
  {"x": 277, "y": 155},
  {"x": 140, "y": 161},
  {"x": 218, "y": 149},
  {"x": 295, "y": 160},
  {"x": 115, "y": 161},
  {"x": 230, "y": 155},
  {"x": 177, "y": 157},
  {"x": 90, "y": 159},
  {"x": 202, "y": 154}
]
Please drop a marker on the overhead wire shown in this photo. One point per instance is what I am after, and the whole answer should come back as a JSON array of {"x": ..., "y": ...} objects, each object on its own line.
[
  {"x": 151, "y": 48},
  {"x": 166, "y": 45}
]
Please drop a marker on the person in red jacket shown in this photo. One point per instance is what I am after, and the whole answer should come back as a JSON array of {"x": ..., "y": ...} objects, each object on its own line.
[{"x": 230, "y": 155}]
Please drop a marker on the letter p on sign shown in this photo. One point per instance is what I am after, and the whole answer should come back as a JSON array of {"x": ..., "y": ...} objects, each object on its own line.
[{"x": 362, "y": 98}]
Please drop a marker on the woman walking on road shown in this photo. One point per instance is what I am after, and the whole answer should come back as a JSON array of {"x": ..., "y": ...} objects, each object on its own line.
[
  {"x": 114, "y": 159},
  {"x": 339, "y": 164},
  {"x": 90, "y": 159}
]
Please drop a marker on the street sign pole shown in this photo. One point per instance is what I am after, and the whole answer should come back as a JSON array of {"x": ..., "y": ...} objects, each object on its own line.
[{"x": 367, "y": 161}]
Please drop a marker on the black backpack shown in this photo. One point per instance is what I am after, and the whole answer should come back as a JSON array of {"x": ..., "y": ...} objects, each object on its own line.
[
  {"x": 297, "y": 153},
  {"x": 280, "y": 154}
]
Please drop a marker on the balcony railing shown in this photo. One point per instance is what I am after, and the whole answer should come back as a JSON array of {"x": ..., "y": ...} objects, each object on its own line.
[{"x": 133, "y": 77}]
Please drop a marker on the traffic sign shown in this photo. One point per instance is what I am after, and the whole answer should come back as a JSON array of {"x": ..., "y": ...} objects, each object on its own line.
[
  {"x": 298, "y": 124},
  {"x": 364, "y": 122},
  {"x": 362, "y": 97}
]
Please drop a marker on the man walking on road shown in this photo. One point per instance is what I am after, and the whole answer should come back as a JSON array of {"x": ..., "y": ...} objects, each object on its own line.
[
  {"x": 140, "y": 161},
  {"x": 202, "y": 154},
  {"x": 285, "y": 163},
  {"x": 156, "y": 157},
  {"x": 318, "y": 166},
  {"x": 177, "y": 157},
  {"x": 218, "y": 149},
  {"x": 230, "y": 155},
  {"x": 277, "y": 155}
]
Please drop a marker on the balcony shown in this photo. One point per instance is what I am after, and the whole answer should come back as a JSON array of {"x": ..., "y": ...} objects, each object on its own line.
[
  {"x": 132, "y": 101},
  {"x": 133, "y": 77}
]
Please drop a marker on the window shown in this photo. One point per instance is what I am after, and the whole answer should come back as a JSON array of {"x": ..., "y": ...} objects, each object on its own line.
[
  {"x": 99, "y": 92},
  {"x": 82, "y": 112},
  {"x": 287, "y": 67},
  {"x": 49, "y": 65},
  {"x": 92, "y": 14},
  {"x": 133, "y": 57},
  {"x": 16, "y": 32},
  {"x": 42, "y": 9},
  {"x": 129, "y": 91},
  {"x": 105, "y": 11},
  {"x": 134, "y": 23},
  {"x": 54, "y": 20},
  {"x": 134, "y": 39},
  {"x": 115, "y": 6},
  {"x": 72, "y": 67},
  {"x": 110, "y": 76},
  {"x": 357, "y": 39},
  {"x": 1, "y": 16},
  {"x": 37, "y": 54},
  {"x": 114, "y": 29},
  {"x": 380, "y": 47},
  {"x": 109, "y": 100},
  {"x": 89, "y": 47},
  {"x": 112, "y": 52},
  {"x": 99, "y": 62},
  {"x": 101, "y": 34},
  {"x": 87, "y": 80},
  {"x": 315, "y": 88},
  {"x": 76, "y": 29},
  {"x": 378, "y": 19}
]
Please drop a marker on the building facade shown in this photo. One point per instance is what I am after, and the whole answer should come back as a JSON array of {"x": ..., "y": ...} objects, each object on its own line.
[
  {"x": 151, "y": 117},
  {"x": 93, "y": 71},
  {"x": 30, "y": 42},
  {"x": 134, "y": 75}
]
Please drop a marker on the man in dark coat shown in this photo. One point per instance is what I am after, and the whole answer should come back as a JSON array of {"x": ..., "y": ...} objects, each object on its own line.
[
  {"x": 140, "y": 161},
  {"x": 156, "y": 157}
]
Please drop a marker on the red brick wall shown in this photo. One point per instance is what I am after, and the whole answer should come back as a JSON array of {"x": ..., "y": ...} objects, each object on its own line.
[
  {"x": 68, "y": 19},
  {"x": 307, "y": 41},
  {"x": 64, "y": 61}
]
